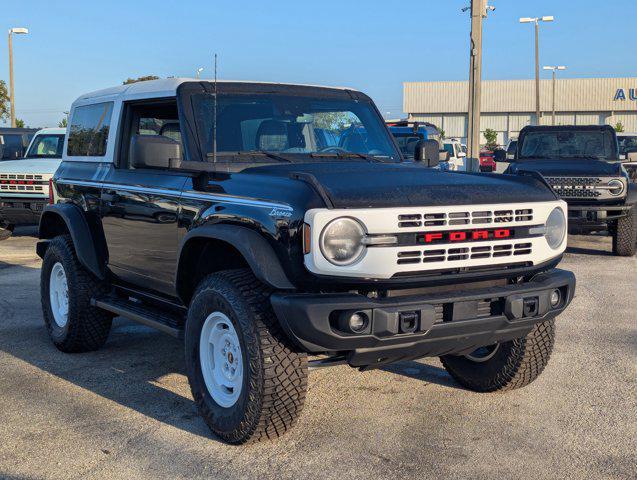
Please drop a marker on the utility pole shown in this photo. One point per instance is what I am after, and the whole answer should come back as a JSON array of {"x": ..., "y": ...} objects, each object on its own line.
[
  {"x": 11, "y": 93},
  {"x": 554, "y": 69},
  {"x": 537, "y": 21},
  {"x": 478, "y": 12}
]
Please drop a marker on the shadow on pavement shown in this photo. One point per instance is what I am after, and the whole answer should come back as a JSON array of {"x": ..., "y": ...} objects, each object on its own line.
[
  {"x": 423, "y": 372},
  {"x": 135, "y": 368},
  {"x": 588, "y": 251}
]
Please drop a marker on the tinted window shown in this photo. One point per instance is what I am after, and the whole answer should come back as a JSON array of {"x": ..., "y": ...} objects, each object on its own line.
[
  {"x": 407, "y": 143},
  {"x": 89, "y": 130},
  {"x": 512, "y": 147},
  {"x": 568, "y": 144},
  {"x": 449, "y": 148},
  {"x": 46, "y": 146},
  {"x": 627, "y": 143},
  {"x": 13, "y": 147}
]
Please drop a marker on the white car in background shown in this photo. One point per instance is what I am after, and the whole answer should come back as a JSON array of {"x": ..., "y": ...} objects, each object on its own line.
[
  {"x": 24, "y": 183},
  {"x": 457, "y": 156},
  {"x": 628, "y": 144}
]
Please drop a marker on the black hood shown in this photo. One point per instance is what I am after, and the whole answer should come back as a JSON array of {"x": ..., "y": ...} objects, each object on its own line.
[
  {"x": 361, "y": 185},
  {"x": 571, "y": 167}
]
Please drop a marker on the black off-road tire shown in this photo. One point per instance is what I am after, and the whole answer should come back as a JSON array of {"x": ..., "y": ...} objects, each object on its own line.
[
  {"x": 87, "y": 327},
  {"x": 6, "y": 231},
  {"x": 274, "y": 372},
  {"x": 625, "y": 235},
  {"x": 516, "y": 363}
]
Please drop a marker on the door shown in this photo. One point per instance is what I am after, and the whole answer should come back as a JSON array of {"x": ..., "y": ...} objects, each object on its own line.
[{"x": 140, "y": 206}]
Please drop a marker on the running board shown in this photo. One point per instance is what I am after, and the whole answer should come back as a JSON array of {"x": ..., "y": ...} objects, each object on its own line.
[{"x": 143, "y": 314}]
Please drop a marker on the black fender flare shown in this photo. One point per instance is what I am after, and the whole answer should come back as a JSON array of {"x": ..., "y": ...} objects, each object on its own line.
[
  {"x": 80, "y": 231},
  {"x": 631, "y": 194},
  {"x": 254, "y": 248}
]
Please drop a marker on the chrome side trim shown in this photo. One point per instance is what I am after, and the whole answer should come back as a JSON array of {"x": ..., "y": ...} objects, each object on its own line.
[{"x": 178, "y": 194}]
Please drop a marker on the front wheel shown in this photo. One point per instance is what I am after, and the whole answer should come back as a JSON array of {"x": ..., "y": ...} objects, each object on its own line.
[
  {"x": 506, "y": 365},
  {"x": 247, "y": 379},
  {"x": 625, "y": 235},
  {"x": 5, "y": 231}
]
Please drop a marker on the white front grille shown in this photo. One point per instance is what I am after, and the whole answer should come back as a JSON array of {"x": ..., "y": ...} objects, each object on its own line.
[
  {"x": 16, "y": 183},
  {"x": 386, "y": 261},
  {"x": 475, "y": 217}
]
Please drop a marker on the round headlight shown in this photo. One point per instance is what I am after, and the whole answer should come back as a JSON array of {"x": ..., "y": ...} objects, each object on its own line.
[
  {"x": 342, "y": 241},
  {"x": 555, "y": 228},
  {"x": 616, "y": 187}
]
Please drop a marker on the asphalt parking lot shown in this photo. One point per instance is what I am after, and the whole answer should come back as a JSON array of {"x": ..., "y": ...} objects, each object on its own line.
[{"x": 126, "y": 411}]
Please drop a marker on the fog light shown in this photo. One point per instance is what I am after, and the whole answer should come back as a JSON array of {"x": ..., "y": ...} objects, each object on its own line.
[
  {"x": 555, "y": 298},
  {"x": 358, "y": 322}
]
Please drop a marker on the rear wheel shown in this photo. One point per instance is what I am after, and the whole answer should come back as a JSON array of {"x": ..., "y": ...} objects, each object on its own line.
[
  {"x": 247, "y": 379},
  {"x": 66, "y": 290},
  {"x": 625, "y": 235},
  {"x": 506, "y": 365}
]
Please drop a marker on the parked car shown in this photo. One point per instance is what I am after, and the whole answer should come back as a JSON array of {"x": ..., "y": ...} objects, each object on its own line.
[
  {"x": 14, "y": 142},
  {"x": 581, "y": 165},
  {"x": 487, "y": 163},
  {"x": 24, "y": 183},
  {"x": 276, "y": 250},
  {"x": 457, "y": 157},
  {"x": 408, "y": 135}
]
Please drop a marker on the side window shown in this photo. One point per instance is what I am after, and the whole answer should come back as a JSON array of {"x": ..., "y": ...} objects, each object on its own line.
[{"x": 90, "y": 125}]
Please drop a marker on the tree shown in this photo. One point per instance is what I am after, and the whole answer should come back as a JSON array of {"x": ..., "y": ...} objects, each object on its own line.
[
  {"x": 491, "y": 136},
  {"x": 140, "y": 79},
  {"x": 619, "y": 127},
  {"x": 19, "y": 123},
  {"x": 442, "y": 133},
  {"x": 333, "y": 121},
  {"x": 4, "y": 101},
  {"x": 62, "y": 123}
]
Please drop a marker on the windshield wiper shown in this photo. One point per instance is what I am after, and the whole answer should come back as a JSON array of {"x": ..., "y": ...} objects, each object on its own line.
[
  {"x": 253, "y": 153},
  {"x": 345, "y": 155}
]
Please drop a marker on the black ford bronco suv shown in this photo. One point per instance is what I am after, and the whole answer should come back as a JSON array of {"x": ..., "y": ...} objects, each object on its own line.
[
  {"x": 581, "y": 163},
  {"x": 268, "y": 223}
]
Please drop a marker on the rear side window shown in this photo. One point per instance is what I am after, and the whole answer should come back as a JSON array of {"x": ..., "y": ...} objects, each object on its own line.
[{"x": 89, "y": 130}]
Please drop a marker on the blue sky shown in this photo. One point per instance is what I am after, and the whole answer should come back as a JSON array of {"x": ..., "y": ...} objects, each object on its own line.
[{"x": 79, "y": 46}]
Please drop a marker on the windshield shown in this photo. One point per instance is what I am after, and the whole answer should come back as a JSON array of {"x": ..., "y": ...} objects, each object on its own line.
[
  {"x": 46, "y": 146},
  {"x": 294, "y": 128},
  {"x": 627, "y": 143},
  {"x": 568, "y": 144}
]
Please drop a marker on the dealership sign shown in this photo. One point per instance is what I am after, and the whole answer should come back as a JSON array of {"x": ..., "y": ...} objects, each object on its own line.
[{"x": 621, "y": 94}]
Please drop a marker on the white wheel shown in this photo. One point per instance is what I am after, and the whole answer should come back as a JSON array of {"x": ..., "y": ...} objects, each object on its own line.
[
  {"x": 59, "y": 295},
  {"x": 221, "y": 359}
]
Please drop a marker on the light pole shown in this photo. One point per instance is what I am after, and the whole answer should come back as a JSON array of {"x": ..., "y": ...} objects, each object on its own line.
[
  {"x": 16, "y": 30},
  {"x": 199, "y": 70},
  {"x": 479, "y": 9},
  {"x": 554, "y": 69},
  {"x": 537, "y": 21}
]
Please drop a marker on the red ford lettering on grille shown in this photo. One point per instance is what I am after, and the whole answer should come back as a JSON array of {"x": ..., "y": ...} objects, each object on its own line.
[{"x": 464, "y": 235}]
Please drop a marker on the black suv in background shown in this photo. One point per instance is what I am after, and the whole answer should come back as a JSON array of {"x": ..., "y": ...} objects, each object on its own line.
[
  {"x": 217, "y": 213},
  {"x": 581, "y": 163}
]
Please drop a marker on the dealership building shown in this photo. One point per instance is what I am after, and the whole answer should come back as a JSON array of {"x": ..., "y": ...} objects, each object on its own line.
[{"x": 509, "y": 105}]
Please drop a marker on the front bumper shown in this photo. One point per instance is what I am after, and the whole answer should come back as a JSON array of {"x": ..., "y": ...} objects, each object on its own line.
[
  {"x": 450, "y": 323},
  {"x": 22, "y": 211},
  {"x": 582, "y": 218}
]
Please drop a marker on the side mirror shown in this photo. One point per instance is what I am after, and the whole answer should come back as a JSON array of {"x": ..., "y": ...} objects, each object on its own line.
[
  {"x": 427, "y": 151},
  {"x": 462, "y": 155},
  {"x": 154, "y": 151},
  {"x": 500, "y": 155}
]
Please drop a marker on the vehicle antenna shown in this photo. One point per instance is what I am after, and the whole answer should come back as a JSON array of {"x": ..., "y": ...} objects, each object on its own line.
[{"x": 214, "y": 124}]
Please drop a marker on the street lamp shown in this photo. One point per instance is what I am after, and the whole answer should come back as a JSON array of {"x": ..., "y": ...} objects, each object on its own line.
[
  {"x": 554, "y": 69},
  {"x": 537, "y": 21},
  {"x": 199, "y": 70},
  {"x": 17, "y": 31}
]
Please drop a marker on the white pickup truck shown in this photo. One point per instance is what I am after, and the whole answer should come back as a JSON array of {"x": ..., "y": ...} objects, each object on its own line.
[{"x": 24, "y": 183}]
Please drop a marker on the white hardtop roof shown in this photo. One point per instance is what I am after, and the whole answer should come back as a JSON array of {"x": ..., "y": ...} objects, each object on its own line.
[
  {"x": 168, "y": 87},
  {"x": 626, "y": 134},
  {"x": 51, "y": 131}
]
